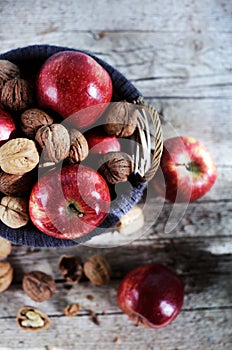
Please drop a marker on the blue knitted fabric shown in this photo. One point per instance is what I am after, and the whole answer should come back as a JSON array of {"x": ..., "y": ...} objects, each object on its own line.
[{"x": 30, "y": 59}]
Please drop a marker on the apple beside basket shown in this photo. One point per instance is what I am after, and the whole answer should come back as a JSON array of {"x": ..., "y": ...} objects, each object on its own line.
[{"x": 29, "y": 59}]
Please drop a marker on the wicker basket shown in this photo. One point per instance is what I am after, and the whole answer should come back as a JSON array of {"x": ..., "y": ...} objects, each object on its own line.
[{"x": 146, "y": 157}]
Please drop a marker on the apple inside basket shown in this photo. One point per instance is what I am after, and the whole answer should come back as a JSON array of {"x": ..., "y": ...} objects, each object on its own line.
[{"x": 55, "y": 186}]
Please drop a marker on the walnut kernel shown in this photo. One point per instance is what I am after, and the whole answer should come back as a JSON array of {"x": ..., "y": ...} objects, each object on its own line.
[{"x": 30, "y": 318}]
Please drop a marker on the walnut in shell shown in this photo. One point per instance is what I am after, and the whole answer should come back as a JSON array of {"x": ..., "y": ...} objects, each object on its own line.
[
  {"x": 38, "y": 285},
  {"x": 32, "y": 119},
  {"x": 121, "y": 119},
  {"x": 55, "y": 142},
  {"x": 8, "y": 70},
  {"x": 79, "y": 148},
  {"x": 6, "y": 275},
  {"x": 17, "y": 95},
  {"x": 116, "y": 167},
  {"x": 16, "y": 184},
  {"x": 30, "y": 318},
  {"x": 5, "y": 248},
  {"x": 14, "y": 211},
  {"x": 97, "y": 270},
  {"x": 18, "y": 156},
  {"x": 131, "y": 222}
]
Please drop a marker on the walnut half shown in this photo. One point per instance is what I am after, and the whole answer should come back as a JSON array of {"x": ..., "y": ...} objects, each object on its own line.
[{"x": 30, "y": 318}]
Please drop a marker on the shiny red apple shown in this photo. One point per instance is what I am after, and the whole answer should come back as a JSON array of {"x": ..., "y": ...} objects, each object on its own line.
[
  {"x": 151, "y": 295},
  {"x": 187, "y": 170},
  {"x": 69, "y": 202},
  {"x": 7, "y": 126},
  {"x": 69, "y": 82},
  {"x": 100, "y": 142}
]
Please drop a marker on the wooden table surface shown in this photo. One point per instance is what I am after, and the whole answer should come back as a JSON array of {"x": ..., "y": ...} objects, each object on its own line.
[{"x": 178, "y": 54}]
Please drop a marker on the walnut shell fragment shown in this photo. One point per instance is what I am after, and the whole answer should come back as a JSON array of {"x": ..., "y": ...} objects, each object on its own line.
[
  {"x": 116, "y": 167},
  {"x": 97, "y": 270},
  {"x": 54, "y": 141},
  {"x": 32, "y": 119},
  {"x": 71, "y": 268},
  {"x": 72, "y": 310},
  {"x": 5, "y": 248},
  {"x": 121, "y": 119},
  {"x": 14, "y": 211},
  {"x": 79, "y": 148},
  {"x": 18, "y": 156},
  {"x": 17, "y": 95},
  {"x": 30, "y": 318},
  {"x": 6, "y": 275},
  {"x": 38, "y": 285}
]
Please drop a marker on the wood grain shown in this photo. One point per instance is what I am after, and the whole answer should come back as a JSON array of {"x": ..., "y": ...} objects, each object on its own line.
[{"x": 178, "y": 54}]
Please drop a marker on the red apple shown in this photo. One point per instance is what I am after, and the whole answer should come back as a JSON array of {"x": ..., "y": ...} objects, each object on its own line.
[
  {"x": 69, "y": 82},
  {"x": 7, "y": 127},
  {"x": 100, "y": 142},
  {"x": 70, "y": 202},
  {"x": 151, "y": 295},
  {"x": 187, "y": 170}
]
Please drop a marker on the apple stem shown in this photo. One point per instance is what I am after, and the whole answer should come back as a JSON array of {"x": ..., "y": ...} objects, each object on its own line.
[
  {"x": 75, "y": 210},
  {"x": 191, "y": 166}
]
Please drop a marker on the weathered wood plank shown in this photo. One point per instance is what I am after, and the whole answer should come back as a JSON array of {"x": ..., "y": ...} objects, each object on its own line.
[
  {"x": 158, "y": 64},
  {"x": 177, "y": 16},
  {"x": 203, "y": 329}
]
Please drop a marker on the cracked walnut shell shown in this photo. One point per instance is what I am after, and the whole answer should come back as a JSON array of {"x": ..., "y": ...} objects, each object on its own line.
[
  {"x": 18, "y": 156},
  {"x": 30, "y": 318},
  {"x": 14, "y": 211}
]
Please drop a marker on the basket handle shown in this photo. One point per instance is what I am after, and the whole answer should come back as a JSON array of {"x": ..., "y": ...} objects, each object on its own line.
[{"x": 150, "y": 142}]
